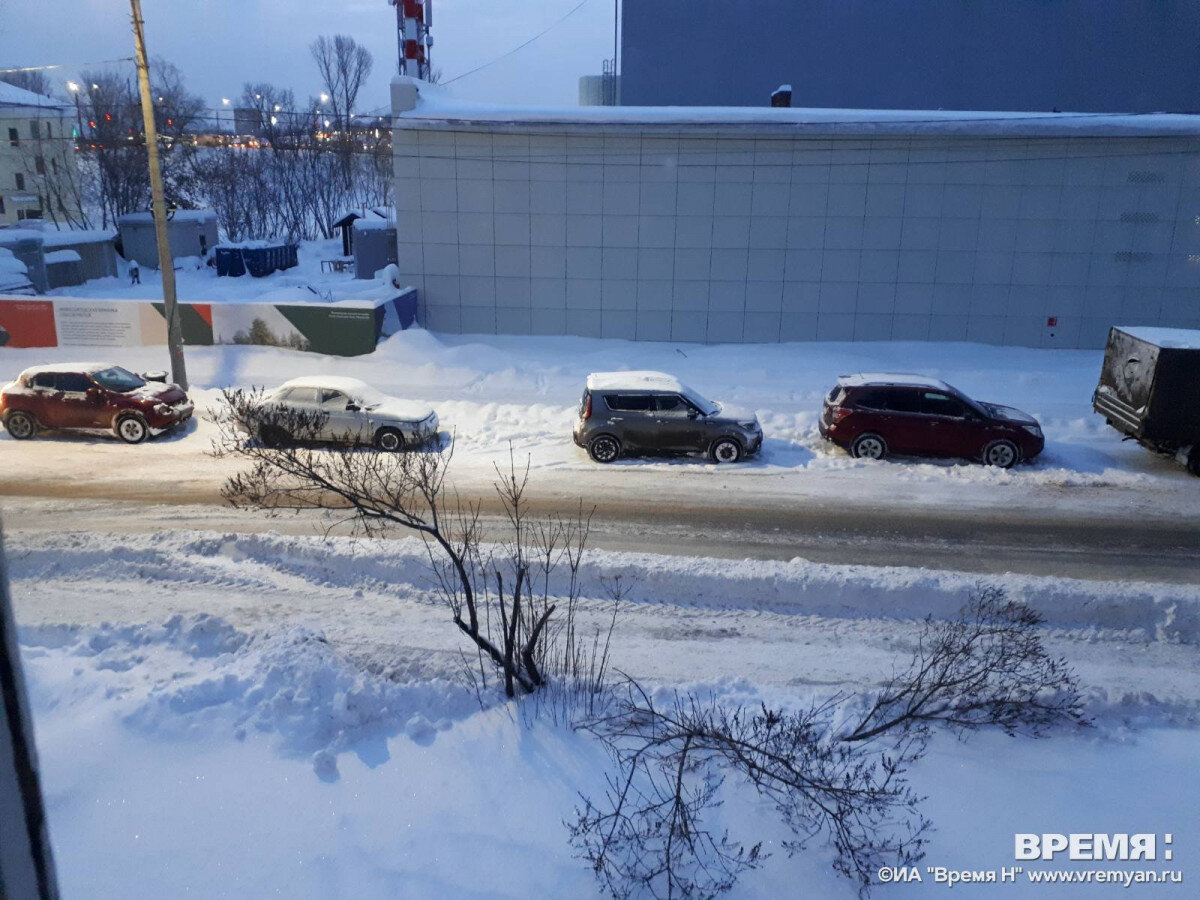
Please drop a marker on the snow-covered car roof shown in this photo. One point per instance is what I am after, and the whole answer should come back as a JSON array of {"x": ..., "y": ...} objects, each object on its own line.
[
  {"x": 380, "y": 403},
  {"x": 85, "y": 367},
  {"x": 1167, "y": 338},
  {"x": 862, "y": 379},
  {"x": 333, "y": 382},
  {"x": 633, "y": 381}
]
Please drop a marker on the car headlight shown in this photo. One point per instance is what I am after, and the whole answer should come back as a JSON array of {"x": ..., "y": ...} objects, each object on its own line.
[
  {"x": 162, "y": 409},
  {"x": 749, "y": 426},
  {"x": 1035, "y": 430}
]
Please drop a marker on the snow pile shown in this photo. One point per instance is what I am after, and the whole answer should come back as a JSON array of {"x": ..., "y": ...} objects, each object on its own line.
[
  {"x": 177, "y": 759},
  {"x": 198, "y": 675}
]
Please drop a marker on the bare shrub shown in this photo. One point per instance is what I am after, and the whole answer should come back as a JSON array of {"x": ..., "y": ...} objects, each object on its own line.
[
  {"x": 499, "y": 596},
  {"x": 988, "y": 667},
  {"x": 647, "y": 837}
]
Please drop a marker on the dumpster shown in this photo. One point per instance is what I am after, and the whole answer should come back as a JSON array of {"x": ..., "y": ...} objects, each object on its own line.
[{"x": 259, "y": 258}]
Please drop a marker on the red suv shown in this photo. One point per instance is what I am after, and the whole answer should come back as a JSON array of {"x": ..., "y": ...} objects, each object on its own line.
[
  {"x": 874, "y": 415},
  {"x": 91, "y": 397}
]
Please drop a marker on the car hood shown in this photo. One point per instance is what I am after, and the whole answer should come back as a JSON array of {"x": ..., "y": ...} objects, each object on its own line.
[
  {"x": 161, "y": 393},
  {"x": 734, "y": 413},
  {"x": 401, "y": 410},
  {"x": 1008, "y": 414}
]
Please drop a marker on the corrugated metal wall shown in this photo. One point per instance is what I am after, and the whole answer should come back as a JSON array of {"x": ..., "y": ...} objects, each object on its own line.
[{"x": 1005, "y": 239}]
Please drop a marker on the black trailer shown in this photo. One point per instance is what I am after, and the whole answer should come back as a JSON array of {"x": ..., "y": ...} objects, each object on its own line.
[{"x": 1150, "y": 389}]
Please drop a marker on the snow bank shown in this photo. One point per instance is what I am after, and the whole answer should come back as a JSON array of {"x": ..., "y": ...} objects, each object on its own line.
[
  {"x": 190, "y": 676},
  {"x": 1138, "y": 612}
]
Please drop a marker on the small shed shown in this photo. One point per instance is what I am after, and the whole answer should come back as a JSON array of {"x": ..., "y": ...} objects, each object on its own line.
[
  {"x": 64, "y": 268},
  {"x": 97, "y": 253},
  {"x": 190, "y": 232},
  {"x": 374, "y": 246},
  {"x": 26, "y": 245}
]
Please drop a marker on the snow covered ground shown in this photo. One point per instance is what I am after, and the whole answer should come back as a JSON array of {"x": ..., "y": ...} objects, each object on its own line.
[
  {"x": 233, "y": 714},
  {"x": 523, "y": 391},
  {"x": 195, "y": 282},
  {"x": 254, "y": 715}
]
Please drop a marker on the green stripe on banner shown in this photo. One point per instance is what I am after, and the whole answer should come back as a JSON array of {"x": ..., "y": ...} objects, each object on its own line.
[{"x": 332, "y": 330}]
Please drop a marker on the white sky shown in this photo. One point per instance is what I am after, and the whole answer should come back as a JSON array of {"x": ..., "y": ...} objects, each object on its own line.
[{"x": 219, "y": 44}]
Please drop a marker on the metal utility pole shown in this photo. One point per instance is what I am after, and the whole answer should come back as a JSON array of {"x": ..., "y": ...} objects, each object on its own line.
[{"x": 166, "y": 262}]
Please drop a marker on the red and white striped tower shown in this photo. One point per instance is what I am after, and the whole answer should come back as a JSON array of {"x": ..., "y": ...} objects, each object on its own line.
[{"x": 412, "y": 24}]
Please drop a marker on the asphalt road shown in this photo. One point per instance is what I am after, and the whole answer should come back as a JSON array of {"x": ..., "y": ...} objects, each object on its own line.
[{"x": 1026, "y": 541}]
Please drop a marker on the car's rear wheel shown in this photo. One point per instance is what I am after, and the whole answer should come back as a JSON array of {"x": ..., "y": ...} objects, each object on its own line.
[
  {"x": 389, "y": 440},
  {"x": 21, "y": 425},
  {"x": 725, "y": 450},
  {"x": 132, "y": 429},
  {"x": 1193, "y": 460},
  {"x": 604, "y": 448},
  {"x": 1002, "y": 454},
  {"x": 869, "y": 446},
  {"x": 273, "y": 436}
]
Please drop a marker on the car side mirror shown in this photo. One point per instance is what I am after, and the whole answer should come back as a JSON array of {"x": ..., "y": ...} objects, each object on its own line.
[
  {"x": 352, "y": 407},
  {"x": 155, "y": 376},
  {"x": 693, "y": 414}
]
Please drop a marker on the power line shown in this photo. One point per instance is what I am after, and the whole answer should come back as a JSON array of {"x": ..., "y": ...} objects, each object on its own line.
[{"x": 521, "y": 46}]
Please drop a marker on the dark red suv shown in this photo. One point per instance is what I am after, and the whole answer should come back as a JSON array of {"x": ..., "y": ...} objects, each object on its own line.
[
  {"x": 875, "y": 415},
  {"x": 91, "y": 397}
]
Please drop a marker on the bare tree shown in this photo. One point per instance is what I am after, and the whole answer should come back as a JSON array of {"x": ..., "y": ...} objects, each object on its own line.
[
  {"x": 112, "y": 129},
  {"x": 114, "y": 141},
  {"x": 344, "y": 66},
  {"x": 499, "y": 597}
]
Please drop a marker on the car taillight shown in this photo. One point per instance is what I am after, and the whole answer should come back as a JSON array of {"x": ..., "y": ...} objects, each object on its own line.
[
  {"x": 839, "y": 413},
  {"x": 587, "y": 406}
]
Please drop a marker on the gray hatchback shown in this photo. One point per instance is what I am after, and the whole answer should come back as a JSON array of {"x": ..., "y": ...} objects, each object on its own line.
[{"x": 631, "y": 413}]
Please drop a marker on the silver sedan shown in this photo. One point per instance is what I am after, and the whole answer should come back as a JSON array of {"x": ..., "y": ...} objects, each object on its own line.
[{"x": 348, "y": 410}]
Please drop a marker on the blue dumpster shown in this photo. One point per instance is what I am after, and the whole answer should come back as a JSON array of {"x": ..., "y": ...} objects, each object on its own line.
[{"x": 256, "y": 257}]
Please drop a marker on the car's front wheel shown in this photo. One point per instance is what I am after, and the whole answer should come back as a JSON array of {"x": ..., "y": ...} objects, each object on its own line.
[
  {"x": 869, "y": 446},
  {"x": 604, "y": 448},
  {"x": 725, "y": 450},
  {"x": 1193, "y": 460},
  {"x": 132, "y": 429},
  {"x": 1002, "y": 454},
  {"x": 389, "y": 440},
  {"x": 21, "y": 425}
]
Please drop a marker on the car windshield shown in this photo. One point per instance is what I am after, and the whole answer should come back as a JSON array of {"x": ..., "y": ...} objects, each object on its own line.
[
  {"x": 366, "y": 397},
  {"x": 117, "y": 379},
  {"x": 708, "y": 407}
]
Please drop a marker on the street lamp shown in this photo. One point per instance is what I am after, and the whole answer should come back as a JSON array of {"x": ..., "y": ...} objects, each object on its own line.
[{"x": 73, "y": 87}]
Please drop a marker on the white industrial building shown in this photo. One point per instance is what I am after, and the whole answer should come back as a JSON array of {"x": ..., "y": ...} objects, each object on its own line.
[{"x": 762, "y": 224}]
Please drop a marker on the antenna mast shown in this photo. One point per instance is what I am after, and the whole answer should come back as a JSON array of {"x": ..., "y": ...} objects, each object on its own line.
[{"x": 413, "y": 21}]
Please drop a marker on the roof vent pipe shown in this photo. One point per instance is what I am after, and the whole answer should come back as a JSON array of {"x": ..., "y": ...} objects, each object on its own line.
[{"x": 782, "y": 96}]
